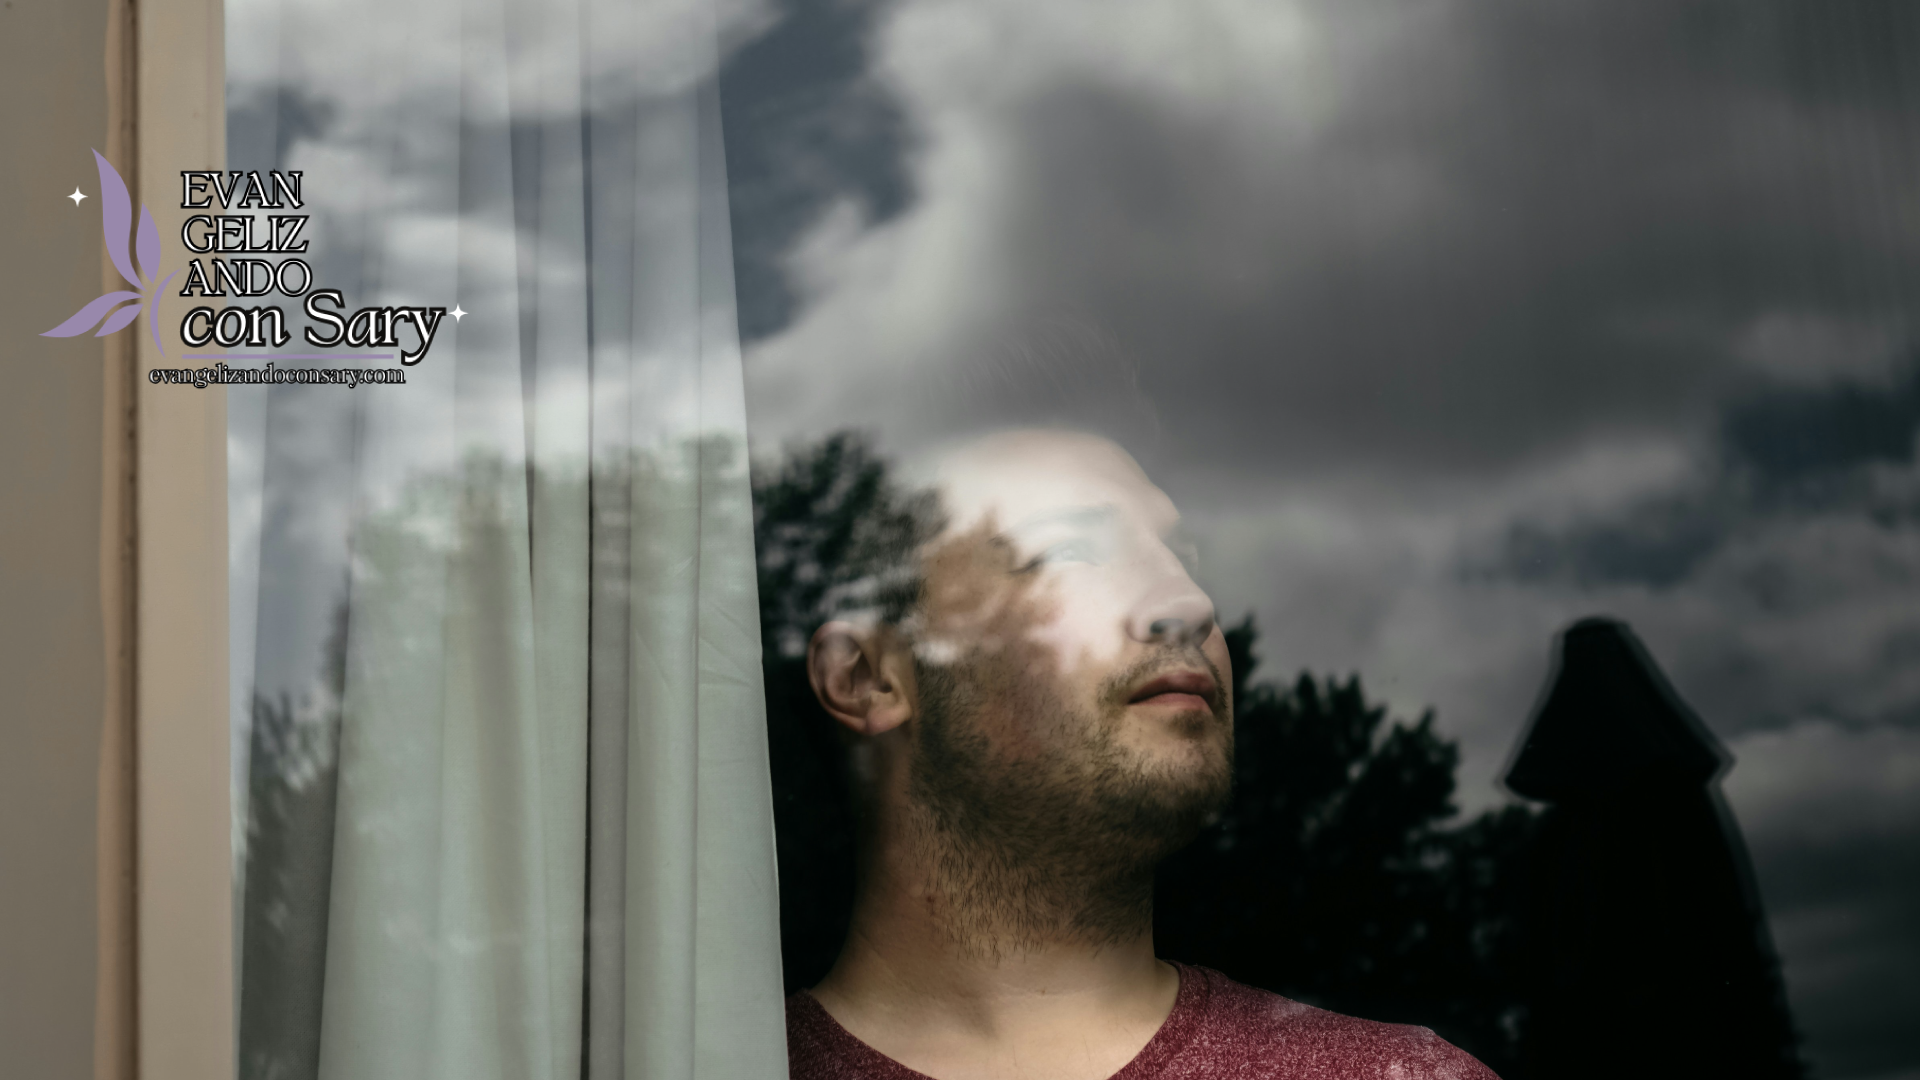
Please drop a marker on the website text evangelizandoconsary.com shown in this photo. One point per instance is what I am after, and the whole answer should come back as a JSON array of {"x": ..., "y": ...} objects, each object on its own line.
[{"x": 222, "y": 375}]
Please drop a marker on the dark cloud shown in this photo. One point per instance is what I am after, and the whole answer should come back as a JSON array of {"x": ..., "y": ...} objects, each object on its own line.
[
  {"x": 1847, "y": 911},
  {"x": 805, "y": 126},
  {"x": 1658, "y": 544},
  {"x": 265, "y": 123},
  {"x": 1539, "y": 225},
  {"x": 1783, "y": 451},
  {"x": 1791, "y": 436},
  {"x": 1836, "y": 847},
  {"x": 1854, "y": 54}
]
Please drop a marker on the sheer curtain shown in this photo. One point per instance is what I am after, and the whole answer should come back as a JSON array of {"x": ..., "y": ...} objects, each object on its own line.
[{"x": 500, "y": 747}]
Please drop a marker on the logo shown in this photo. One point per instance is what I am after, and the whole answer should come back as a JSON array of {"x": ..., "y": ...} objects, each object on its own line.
[
  {"x": 226, "y": 233},
  {"x": 116, "y": 220}
]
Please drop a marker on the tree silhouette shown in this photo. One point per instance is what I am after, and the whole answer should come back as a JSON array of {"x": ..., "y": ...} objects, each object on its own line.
[{"x": 1335, "y": 876}]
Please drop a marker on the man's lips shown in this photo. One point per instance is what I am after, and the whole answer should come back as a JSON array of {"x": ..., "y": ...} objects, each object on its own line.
[{"x": 1182, "y": 689}]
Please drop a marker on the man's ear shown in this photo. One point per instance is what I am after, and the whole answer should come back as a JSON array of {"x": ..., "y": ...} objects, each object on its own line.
[{"x": 861, "y": 677}]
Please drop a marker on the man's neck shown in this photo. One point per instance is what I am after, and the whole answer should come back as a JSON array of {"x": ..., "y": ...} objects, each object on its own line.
[{"x": 960, "y": 991}]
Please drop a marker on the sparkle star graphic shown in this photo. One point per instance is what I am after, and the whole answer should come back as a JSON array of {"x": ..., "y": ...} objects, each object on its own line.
[
  {"x": 76, "y": 196},
  {"x": 456, "y": 313}
]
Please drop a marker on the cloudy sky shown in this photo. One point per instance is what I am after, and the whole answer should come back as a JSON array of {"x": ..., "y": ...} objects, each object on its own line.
[{"x": 1456, "y": 321}]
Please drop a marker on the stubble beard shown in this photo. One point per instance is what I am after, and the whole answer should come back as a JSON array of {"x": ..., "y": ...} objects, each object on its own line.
[{"x": 1059, "y": 848}]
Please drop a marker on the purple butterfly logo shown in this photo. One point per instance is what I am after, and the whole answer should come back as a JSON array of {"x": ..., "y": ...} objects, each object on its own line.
[{"x": 116, "y": 219}]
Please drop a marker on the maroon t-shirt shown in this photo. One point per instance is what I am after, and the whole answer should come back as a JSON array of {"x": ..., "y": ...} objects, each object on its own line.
[{"x": 1218, "y": 1029}]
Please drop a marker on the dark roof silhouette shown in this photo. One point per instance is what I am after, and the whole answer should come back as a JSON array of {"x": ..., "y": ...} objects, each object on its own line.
[
  {"x": 1611, "y": 723},
  {"x": 1647, "y": 946}
]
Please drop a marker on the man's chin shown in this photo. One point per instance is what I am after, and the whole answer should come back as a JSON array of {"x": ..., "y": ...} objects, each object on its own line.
[
  {"x": 1180, "y": 788},
  {"x": 1178, "y": 740}
]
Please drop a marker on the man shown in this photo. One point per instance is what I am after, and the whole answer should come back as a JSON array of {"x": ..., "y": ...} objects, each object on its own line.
[{"x": 1048, "y": 722}]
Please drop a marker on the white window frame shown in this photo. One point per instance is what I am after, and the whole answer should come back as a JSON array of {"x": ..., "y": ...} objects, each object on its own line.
[{"x": 184, "y": 1007}]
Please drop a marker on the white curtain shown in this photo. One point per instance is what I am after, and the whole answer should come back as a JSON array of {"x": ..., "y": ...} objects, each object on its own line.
[{"x": 497, "y": 696}]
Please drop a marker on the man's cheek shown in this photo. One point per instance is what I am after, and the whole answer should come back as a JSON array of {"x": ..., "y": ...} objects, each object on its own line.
[
  {"x": 1021, "y": 714},
  {"x": 979, "y": 608},
  {"x": 1085, "y": 634}
]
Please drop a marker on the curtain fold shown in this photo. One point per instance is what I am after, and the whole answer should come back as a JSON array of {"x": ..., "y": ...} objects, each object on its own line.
[{"x": 508, "y": 807}]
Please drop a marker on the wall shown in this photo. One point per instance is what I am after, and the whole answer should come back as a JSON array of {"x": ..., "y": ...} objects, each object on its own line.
[{"x": 55, "y": 636}]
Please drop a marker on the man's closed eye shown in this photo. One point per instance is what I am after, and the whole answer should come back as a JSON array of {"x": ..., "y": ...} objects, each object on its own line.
[{"x": 1077, "y": 550}]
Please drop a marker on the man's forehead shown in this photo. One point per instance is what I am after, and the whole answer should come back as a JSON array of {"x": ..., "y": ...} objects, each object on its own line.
[{"x": 1027, "y": 478}]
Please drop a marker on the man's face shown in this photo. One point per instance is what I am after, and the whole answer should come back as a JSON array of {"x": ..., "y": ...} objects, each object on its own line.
[{"x": 1069, "y": 666}]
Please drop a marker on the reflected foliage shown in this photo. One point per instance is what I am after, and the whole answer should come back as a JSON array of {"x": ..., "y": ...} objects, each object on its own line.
[
  {"x": 1337, "y": 876},
  {"x": 292, "y": 789},
  {"x": 828, "y": 523}
]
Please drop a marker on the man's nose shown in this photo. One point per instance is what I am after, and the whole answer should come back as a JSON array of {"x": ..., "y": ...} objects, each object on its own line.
[{"x": 1174, "y": 610}]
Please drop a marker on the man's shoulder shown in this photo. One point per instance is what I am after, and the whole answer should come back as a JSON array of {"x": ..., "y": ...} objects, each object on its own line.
[{"x": 1253, "y": 1032}]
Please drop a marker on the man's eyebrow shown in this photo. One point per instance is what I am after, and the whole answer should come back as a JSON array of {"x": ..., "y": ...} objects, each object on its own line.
[{"x": 1078, "y": 516}]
